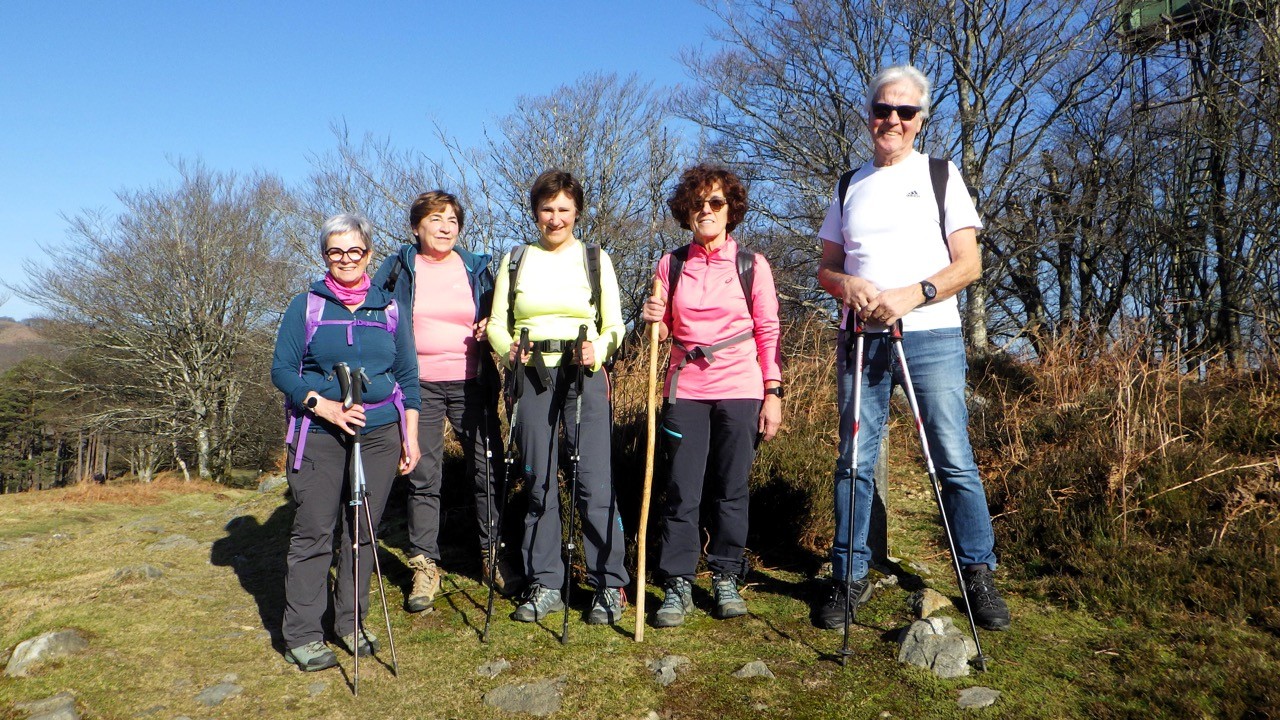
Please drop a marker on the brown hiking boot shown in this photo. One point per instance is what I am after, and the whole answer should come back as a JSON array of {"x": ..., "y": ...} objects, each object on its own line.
[
  {"x": 426, "y": 583},
  {"x": 487, "y": 566}
]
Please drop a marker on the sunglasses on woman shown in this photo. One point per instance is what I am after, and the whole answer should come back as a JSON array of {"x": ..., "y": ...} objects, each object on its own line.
[
  {"x": 906, "y": 113},
  {"x": 717, "y": 204},
  {"x": 355, "y": 254}
]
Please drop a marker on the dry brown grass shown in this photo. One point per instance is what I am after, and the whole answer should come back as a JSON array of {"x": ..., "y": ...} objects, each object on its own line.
[{"x": 119, "y": 492}]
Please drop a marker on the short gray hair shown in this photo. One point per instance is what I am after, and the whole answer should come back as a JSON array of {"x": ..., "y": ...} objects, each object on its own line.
[
  {"x": 344, "y": 223},
  {"x": 895, "y": 74}
]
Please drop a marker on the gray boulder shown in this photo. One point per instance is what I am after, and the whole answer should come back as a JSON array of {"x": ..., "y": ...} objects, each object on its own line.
[
  {"x": 664, "y": 668},
  {"x": 978, "y": 697},
  {"x": 540, "y": 697},
  {"x": 937, "y": 644},
  {"x": 755, "y": 668},
  {"x": 59, "y": 707},
  {"x": 44, "y": 647}
]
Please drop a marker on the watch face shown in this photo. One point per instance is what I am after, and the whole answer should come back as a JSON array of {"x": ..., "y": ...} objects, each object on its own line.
[{"x": 930, "y": 292}]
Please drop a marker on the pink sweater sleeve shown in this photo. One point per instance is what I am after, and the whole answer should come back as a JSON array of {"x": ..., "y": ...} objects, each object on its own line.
[{"x": 764, "y": 302}]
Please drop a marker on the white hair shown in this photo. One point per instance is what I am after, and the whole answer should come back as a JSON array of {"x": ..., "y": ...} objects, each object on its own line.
[
  {"x": 344, "y": 223},
  {"x": 896, "y": 74}
]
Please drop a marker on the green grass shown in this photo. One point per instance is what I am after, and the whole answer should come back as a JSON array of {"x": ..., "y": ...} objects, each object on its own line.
[{"x": 157, "y": 643}]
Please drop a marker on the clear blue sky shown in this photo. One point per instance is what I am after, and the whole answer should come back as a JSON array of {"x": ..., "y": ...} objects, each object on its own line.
[{"x": 100, "y": 96}]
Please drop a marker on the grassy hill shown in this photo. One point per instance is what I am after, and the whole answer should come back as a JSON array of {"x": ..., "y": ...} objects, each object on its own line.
[{"x": 77, "y": 558}]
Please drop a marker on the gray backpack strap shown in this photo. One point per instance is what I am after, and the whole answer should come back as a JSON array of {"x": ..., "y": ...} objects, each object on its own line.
[{"x": 513, "y": 277}]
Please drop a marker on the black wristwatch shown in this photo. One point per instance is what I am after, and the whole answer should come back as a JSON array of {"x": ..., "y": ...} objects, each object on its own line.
[
  {"x": 930, "y": 292},
  {"x": 312, "y": 401},
  {"x": 774, "y": 391}
]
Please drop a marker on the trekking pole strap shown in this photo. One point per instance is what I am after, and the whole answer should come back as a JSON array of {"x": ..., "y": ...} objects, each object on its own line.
[{"x": 699, "y": 352}]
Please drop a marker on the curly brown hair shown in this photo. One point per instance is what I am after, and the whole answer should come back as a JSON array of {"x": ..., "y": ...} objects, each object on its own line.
[{"x": 696, "y": 182}]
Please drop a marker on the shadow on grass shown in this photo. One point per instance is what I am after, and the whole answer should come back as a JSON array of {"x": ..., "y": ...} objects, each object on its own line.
[{"x": 256, "y": 553}]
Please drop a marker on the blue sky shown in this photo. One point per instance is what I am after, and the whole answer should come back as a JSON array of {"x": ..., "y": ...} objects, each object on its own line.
[{"x": 97, "y": 97}]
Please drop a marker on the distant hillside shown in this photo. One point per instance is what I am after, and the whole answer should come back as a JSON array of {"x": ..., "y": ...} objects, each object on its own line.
[{"x": 20, "y": 340}]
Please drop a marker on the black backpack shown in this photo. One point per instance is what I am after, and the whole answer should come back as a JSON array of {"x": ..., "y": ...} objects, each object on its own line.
[
  {"x": 591, "y": 258},
  {"x": 746, "y": 262}
]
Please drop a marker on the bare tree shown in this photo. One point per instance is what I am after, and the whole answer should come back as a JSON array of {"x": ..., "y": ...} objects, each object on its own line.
[
  {"x": 173, "y": 303},
  {"x": 786, "y": 101},
  {"x": 613, "y": 135}
]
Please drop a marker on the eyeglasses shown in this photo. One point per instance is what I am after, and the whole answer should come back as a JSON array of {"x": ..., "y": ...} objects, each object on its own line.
[
  {"x": 355, "y": 254},
  {"x": 717, "y": 204},
  {"x": 906, "y": 113}
]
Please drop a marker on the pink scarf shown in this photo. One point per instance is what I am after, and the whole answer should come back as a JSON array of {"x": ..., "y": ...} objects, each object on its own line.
[{"x": 348, "y": 296}]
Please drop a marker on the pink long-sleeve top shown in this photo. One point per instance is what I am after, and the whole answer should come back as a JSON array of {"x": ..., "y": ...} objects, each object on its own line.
[{"x": 709, "y": 307}]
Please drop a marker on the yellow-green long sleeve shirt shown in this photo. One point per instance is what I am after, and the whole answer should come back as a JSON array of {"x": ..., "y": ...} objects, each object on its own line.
[{"x": 553, "y": 299}]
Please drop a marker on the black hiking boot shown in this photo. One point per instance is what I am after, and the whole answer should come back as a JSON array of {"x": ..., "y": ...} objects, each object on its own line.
[
  {"x": 829, "y": 613},
  {"x": 989, "y": 609}
]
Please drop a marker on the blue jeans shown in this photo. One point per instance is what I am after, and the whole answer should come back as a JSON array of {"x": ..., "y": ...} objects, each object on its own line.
[{"x": 936, "y": 361}]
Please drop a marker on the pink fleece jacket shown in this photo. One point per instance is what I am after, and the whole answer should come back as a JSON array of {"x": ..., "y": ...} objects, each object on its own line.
[{"x": 709, "y": 307}]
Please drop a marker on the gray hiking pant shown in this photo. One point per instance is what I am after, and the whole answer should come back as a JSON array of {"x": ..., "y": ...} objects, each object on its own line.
[
  {"x": 471, "y": 409},
  {"x": 321, "y": 488},
  {"x": 538, "y": 418}
]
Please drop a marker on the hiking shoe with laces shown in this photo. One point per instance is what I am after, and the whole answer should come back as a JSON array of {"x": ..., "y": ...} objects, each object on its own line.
[
  {"x": 607, "y": 606},
  {"x": 311, "y": 657},
  {"x": 989, "y": 609},
  {"x": 830, "y": 615},
  {"x": 540, "y": 602},
  {"x": 426, "y": 583},
  {"x": 368, "y": 643},
  {"x": 676, "y": 603},
  {"x": 729, "y": 602}
]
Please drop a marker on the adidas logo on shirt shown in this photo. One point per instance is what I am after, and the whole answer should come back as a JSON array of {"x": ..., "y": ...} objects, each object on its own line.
[{"x": 912, "y": 194}]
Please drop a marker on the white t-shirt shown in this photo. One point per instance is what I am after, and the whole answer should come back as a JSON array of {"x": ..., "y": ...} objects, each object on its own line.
[{"x": 890, "y": 234}]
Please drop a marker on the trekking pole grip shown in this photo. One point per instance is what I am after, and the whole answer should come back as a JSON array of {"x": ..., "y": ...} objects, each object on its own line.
[{"x": 343, "y": 372}]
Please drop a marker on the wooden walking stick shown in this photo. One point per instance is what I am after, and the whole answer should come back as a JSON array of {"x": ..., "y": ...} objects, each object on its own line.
[{"x": 648, "y": 468}]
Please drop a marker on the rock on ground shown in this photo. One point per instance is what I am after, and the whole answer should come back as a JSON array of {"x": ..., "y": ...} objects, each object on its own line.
[
  {"x": 540, "y": 697},
  {"x": 317, "y": 687},
  {"x": 59, "y": 707},
  {"x": 173, "y": 542},
  {"x": 216, "y": 695},
  {"x": 927, "y": 602},
  {"x": 664, "y": 668},
  {"x": 137, "y": 572},
  {"x": 937, "y": 644},
  {"x": 272, "y": 483},
  {"x": 978, "y": 697},
  {"x": 755, "y": 668},
  {"x": 493, "y": 669},
  {"x": 44, "y": 647}
]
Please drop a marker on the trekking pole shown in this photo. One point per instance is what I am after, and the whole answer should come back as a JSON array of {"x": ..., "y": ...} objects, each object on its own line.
[
  {"x": 491, "y": 553},
  {"x": 343, "y": 373},
  {"x": 896, "y": 339},
  {"x": 650, "y": 445},
  {"x": 352, "y": 387},
  {"x": 358, "y": 383},
  {"x": 859, "y": 337},
  {"x": 575, "y": 458},
  {"x": 509, "y": 462}
]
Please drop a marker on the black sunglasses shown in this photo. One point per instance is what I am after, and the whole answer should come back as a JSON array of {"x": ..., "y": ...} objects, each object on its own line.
[
  {"x": 717, "y": 204},
  {"x": 906, "y": 113}
]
